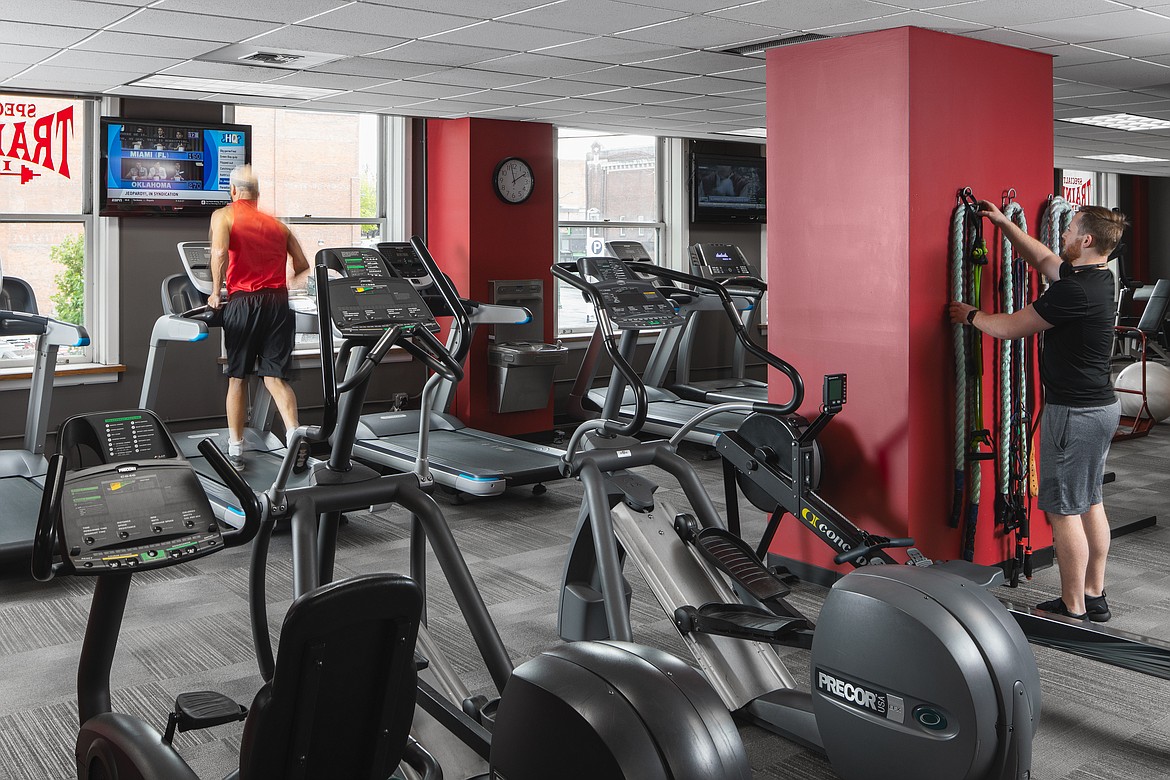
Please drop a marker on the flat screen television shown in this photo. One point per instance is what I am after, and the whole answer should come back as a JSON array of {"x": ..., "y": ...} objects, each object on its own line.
[
  {"x": 727, "y": 188},
  {"x": 168, "y": 168}
]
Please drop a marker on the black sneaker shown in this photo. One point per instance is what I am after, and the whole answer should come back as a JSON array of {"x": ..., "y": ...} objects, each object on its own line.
[
  {"x": 301, "y": 461},
  {"x": 236, "y": 461},
  {"x": 1097, "y": 608},
  {"x": 1056, "y": 606}
]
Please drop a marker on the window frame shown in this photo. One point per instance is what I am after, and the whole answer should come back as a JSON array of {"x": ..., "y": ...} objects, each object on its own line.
[{"x": 101, "y": 294}]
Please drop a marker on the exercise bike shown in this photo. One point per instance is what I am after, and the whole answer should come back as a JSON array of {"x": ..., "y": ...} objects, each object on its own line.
[
  {"x": 119, "y": 498},
  {"x": 906, "y": 661}
]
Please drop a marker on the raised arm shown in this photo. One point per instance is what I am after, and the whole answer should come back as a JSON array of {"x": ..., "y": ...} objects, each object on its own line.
[
  {"x": 1034, "y": 252},
  {"x": 219, "y": 235}
]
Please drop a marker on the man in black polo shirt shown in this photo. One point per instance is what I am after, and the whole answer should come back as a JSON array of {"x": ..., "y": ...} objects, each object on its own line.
[{"x": 1081, "y": 412}]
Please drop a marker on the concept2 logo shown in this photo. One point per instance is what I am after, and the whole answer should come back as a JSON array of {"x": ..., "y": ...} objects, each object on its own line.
[{"x": 824, "y": 530}]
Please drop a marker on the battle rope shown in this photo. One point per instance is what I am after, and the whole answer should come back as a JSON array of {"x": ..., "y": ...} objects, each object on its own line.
[
  {"x": 1014, "y": 459},
  {"x": 968, "y": 256},
  {"x": 1058, "y": 214}
]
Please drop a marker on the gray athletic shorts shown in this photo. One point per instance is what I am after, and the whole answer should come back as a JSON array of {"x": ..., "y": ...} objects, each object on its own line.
[{"x": 1074, "y": 443}]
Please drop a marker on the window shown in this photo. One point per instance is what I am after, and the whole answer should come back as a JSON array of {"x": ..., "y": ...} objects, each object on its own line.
[
  {"x": 46, "y": 219},
  {"x": 320, "y": 172},
  {"x": 609, "y": 190}
]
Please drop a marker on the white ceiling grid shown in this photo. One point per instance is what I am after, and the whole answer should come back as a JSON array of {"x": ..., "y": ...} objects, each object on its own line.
[{"x": 650, "y": 66}]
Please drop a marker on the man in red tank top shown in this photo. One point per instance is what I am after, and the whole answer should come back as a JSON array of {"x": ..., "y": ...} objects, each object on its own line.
[{"x": 251, "y": 249}]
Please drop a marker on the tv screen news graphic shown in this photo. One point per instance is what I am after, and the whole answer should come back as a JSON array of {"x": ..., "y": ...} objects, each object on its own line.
[
  {"x": 727, "y": 188},
  {"x": 178, "y": 168}
]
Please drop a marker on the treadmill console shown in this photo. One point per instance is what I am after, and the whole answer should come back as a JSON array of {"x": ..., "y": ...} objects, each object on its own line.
[
  {"x": 628, "y": 250},
  {"x": 719, "y": 261},
  {"x": 404, "y": 262},
  {"x": 630, "y": 301},
  {"x": 369, "y": 298},
  {"x": 141, "y": 507},
  {"x": 196, "y": 257}
]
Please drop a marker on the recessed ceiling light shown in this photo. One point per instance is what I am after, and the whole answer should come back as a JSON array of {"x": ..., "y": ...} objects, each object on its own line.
[
  {"x": 1121, "y": 122},
  {"x": 1123, "y": 158},
  {"x": 754, "y": 132},
  {"x": 263, "y": 89}
]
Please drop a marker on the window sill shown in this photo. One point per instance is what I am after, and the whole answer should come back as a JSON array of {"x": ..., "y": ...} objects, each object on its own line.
[{"x": 20, "y": 377}]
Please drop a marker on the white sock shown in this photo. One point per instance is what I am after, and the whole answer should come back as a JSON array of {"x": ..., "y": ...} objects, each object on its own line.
[{"x": 236, "y": 447}]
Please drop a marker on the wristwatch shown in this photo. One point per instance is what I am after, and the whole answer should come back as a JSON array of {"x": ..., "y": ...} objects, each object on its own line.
[{"x": 971, "y": 316}]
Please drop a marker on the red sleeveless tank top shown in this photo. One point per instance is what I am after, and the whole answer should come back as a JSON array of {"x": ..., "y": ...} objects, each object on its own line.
[{"x": 257, "y": 250}]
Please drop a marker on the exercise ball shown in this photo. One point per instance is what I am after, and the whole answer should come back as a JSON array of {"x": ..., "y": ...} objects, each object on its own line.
[{"x": 1157, "y": 390}]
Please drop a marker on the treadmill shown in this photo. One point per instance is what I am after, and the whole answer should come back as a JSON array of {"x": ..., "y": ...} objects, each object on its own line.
[
  {"x": 667, "y": 411},
  {"x": 461, "y": 459},
  {"x": 22, "y": 471},
  {"x": 726, "y": 264},
  {"x": 186, "y": 319}
]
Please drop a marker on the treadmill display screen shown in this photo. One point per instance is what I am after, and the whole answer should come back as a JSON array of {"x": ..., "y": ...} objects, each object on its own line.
[
  {"x": 720, "y": 261},
  {"x": 403, "y": 260},
  {"x": 367, "y": 265},
  {"x": 637, "y": 306},
  {"x": 117, "y": 517}
]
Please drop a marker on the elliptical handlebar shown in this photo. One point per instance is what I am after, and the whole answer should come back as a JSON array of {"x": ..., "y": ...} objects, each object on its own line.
[
  {"x": 249, "y": 501},
  {"x": 45, "y": 537},
  {"x": 741, "y": 333},
  {"x": 435, "y": 355},
  {"x": 576, "y": 278}
]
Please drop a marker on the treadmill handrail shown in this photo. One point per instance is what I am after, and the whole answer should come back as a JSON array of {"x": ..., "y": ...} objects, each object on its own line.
[
  {"x": 741, "y": 333},
  {"x": 462, "y": 322}
]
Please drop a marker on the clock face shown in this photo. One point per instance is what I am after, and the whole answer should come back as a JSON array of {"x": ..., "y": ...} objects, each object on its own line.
[{"x": 512, "y": 180}]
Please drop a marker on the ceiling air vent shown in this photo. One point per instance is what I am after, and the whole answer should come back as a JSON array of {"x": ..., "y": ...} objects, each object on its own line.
[
  {"x": 272, "y": 58},
  {"x": 756, "y": 48}
]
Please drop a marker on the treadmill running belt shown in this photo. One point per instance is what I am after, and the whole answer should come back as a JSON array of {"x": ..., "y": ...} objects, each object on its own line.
[{"x": 457, "y": 451}]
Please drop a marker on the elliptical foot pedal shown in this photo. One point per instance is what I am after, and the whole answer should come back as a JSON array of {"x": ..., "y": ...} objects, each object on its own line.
[
  {"x": 735, "y": 558},
  {"x": 741, "y": 621},
  {"x": 202, "y": 710}
]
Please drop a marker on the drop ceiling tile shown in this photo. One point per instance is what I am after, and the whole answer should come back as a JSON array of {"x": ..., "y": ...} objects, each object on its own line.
[
  {"x": 400, "y": 22},
  {"x": 756, "y": 94},
  {"x": 1123, "y": 102},
  {"x": 700, "y": 63},
  {"x": 78, "y": 13},
  {"x": 689, "y": 6},
  {"x": 540, "y": 65},
  {"x": 172, "y": 24},
  {"x": 148, "y": 45},
  {"x": 704, "y": 102},
  {"x": 91, "y": 78},
  {"x": 1141, "y": 46},
  {"x": 375, "y": 68},
  {"x": 1010, "y": 38},
  {"x": 643, "y": 95},
  {"x": 1100, "y": 27},
  {"x": 564, "y": 88},
  {"x": 286, "y": 11},
  {"x": 805, "y": 14},
  {"x": 375, "y": 100},
  {"x": 419, "y": 90},
  {"x": 1070, "y": 54},
  {"x": 439, "y": 55},
  {"x": 223, "y": 70},
  {"x": 330, "y": 80},
  {"x": 1014, "y": 13},
  {"x": 929, "y": 21},
  {"x": 1122, "y": 74},
  {"x": 42, "y": 34},
  {"x": 25, "y": 55},
  {"x": 10, "y": 69},
  {"x": 618, "y": 51},
  {"x": 597, "y": 17},
  {"x": 97, "y": 60},
  {"x": 703, "y": 85},
  {"x": 326, "y": 41},
  {"x": 508, "y": 36},
  {"x": 704, "y": 32},
  {"x": 153, "y": 92},
  {"x": 471, "y": 8},
  {"x": 471, "y": 77}
]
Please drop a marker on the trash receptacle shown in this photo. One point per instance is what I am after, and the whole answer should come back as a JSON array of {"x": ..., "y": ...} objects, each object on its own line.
[{"x": 522, "y": 373}]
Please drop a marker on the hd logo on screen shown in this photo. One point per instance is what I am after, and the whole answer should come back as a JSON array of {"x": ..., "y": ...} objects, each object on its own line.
[{"x": 27, "y": 139}]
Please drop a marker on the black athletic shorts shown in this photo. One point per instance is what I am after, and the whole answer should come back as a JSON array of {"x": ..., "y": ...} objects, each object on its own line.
[{"x": 258, "y": 333}]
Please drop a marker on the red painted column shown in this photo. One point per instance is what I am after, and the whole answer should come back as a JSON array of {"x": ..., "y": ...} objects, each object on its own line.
[
  {"x": 476, "y": 237},
  {"x": 869, "y": 139}
]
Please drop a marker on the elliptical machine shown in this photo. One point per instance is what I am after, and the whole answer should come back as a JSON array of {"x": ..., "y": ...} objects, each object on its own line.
[
  {"x": 906, "y": 661},
  {"x": 605, "y": 709}
]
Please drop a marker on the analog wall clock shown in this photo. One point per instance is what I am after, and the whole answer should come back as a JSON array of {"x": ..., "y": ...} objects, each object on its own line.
[{"x": 512, "y": 180}]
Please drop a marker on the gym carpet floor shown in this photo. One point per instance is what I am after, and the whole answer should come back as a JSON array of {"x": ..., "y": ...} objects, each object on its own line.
[{"x": 187, "y": 629}]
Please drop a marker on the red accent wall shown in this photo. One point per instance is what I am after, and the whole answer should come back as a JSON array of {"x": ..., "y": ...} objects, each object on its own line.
[
  {"x": 475, "y": 237},
  {"x": 869, "y": 139}
]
